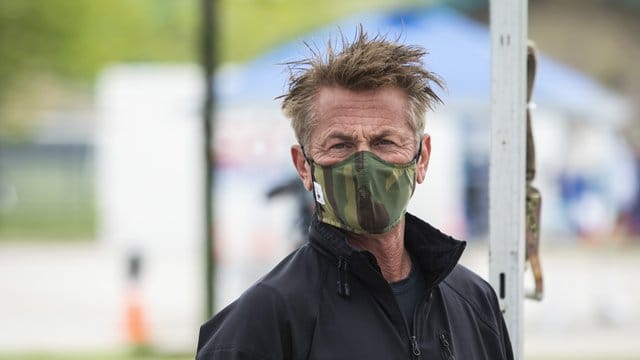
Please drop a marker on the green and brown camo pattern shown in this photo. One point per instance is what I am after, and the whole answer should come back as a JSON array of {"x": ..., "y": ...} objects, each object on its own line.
[{"x": 363, "y": 194}]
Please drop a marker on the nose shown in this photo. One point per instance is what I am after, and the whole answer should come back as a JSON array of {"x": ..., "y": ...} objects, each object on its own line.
[{"x": 363, "y": 146}]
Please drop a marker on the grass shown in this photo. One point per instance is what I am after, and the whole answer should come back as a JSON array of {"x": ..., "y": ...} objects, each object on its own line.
[
  {"x": 158, "y": 356},
  {"x": 134, "y": 353},
  {"x": 603, "y": 357},
  {"x": 46, "y": 200},
  {"x": 93, "y": 356}
]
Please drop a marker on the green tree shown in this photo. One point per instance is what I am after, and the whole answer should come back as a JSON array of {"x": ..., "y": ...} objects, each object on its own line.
[
  {"x": 69, "y": 41},
  {"x": 53, "y": 46}
]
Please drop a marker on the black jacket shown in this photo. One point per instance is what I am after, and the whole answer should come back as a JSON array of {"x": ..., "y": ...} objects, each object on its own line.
[{"x": 329, "y": 301}]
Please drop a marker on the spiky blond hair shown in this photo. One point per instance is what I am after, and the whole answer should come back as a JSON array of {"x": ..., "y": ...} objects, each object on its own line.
[{"x": 360, "y": 65}]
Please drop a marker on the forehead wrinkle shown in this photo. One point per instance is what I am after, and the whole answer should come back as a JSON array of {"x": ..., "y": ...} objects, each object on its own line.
[
  {"x": 360, "y": 116},
  {"x": 331, "y": 100},
  {"x": 349, "y": 114}
]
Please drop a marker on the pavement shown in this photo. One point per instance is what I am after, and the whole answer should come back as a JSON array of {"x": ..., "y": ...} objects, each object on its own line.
[
  {"x": 71, "y": 297},
  {"x": 591, "y": 305}
]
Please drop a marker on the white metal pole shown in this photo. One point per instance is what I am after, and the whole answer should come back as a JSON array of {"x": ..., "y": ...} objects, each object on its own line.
[{"x": 508, "y": 19}]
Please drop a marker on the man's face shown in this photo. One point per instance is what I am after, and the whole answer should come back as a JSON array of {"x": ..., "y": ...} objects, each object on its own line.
[{"x": 351, "y": 121}]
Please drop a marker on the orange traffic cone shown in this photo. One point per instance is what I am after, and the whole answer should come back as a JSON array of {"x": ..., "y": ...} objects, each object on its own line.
[
  {"x": 137, "y": 334},
  {"x": 135, "y": 321}
]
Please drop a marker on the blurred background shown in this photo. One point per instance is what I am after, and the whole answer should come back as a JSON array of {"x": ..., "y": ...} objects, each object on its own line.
[{"x": 103, "y": 164}]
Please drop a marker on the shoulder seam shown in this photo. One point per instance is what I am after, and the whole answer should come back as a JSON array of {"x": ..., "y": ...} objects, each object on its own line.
[{"x": 479, "y": 314}]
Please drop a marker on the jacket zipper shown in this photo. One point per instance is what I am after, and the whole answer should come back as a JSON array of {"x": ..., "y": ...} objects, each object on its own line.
[
  {"x": 413, "y": 339},
  {"x": 445, "y": 344},
  {"x": 414, "y": 346}
]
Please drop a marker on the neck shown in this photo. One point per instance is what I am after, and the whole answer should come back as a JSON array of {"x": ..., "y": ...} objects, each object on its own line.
[{"x": 388, "y": 248}]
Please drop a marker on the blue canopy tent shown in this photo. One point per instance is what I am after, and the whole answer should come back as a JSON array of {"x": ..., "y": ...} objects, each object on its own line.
[{"x": 459, "y": 51}]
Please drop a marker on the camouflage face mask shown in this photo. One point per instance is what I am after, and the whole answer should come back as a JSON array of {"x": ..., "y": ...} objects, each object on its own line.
[{"x": 363, "y": 194}]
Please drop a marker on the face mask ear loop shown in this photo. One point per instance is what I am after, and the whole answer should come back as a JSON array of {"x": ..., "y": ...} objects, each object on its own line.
[
  {"x": 418, "y": 154},
  {"x": 310, "y": 162},
  {"x": 311, "y": 166},
  {"x": 305, "y": 156},
  {"x": 318, "y": 206}
]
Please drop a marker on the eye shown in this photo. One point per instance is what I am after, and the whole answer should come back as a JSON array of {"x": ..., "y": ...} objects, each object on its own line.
[
  {"x": 383, "y": 142},
  {"x": 339, "y": 146}
]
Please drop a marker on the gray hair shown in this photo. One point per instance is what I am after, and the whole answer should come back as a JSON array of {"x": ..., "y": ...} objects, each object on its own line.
[{"x": 364, "y": 64}]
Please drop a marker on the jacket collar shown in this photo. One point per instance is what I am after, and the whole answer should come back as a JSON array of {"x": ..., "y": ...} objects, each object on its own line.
[{"x": 435, "y": 252}]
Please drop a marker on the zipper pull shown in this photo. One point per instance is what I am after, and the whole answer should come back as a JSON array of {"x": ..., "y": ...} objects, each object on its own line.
[
  {"x": 414, "y": 346},
  {"x": 444, "y": 341}
]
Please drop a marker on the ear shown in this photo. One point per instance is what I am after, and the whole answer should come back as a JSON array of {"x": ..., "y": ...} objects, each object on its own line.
[
  {"x": 302, "y": 166},
  {"x": 423, "y": 160}
]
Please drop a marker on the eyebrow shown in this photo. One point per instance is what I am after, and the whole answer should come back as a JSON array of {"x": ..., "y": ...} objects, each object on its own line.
[
  {"x": 346, "y": 137},
  {"x": 340, "y": 135},
  {"x": 337, "y": 135},
  {"x": 382, "y": 134}
]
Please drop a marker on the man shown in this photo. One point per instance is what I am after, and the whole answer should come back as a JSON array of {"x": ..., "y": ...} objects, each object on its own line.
[{"x": 373, "y": 282}]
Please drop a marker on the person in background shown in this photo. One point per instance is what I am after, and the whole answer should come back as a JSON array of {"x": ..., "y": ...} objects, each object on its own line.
[{"x": 373, "y": 281}]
